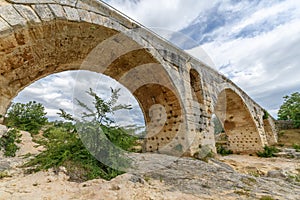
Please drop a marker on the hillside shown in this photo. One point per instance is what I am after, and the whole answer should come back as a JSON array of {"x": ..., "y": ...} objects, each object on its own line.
[{"x": 288, "y": 138}]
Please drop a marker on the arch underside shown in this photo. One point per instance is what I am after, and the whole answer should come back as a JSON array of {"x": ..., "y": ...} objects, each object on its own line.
[
  {"x": 270, "y": 131},
  {"x": 240, "y": 128},
  {"x": 31, "y": 53},
  {"x": 196, "y": 86}
]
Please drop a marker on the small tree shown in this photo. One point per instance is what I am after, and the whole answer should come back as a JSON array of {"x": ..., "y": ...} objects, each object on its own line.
[
  {"x": 290, "y": 109},
  {"x": 28, "y": 117},
  {"x": 106, "y": 142},
  {"x": 84, "y": 146}
]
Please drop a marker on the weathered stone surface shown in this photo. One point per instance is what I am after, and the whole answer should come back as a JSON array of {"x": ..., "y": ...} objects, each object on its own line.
[
  {"x": 84, "y": 15},
  {"x": 32, "y": 1},
  {"x": 43, "y": 12},
  {"x": 67, "y": 2},
  {"x": 27, "y": 13},
  {"x": 58, "y": 11},
  {"x": 4, "y": 26},
  {"x": 11, "y": 16},
  {"x": 96, "y": 19},
  {"x": 72, "y": 13},
  {"x": 90, "y": 5},
  {"x": 276, "y": 174},
  {"x": 3, "y": 129}
]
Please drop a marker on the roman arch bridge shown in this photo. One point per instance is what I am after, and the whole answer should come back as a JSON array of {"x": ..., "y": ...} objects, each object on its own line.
[{"x": 177, "y": 93}]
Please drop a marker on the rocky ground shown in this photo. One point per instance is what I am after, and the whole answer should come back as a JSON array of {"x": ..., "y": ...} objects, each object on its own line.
[{"x": 159, "y": 177}]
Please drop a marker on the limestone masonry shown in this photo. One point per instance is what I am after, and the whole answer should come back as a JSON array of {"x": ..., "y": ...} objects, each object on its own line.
[{"x": 177, "y": 93}]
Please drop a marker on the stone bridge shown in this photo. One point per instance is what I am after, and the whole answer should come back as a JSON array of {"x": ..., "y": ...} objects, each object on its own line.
[{"x": 177, "y": 93}]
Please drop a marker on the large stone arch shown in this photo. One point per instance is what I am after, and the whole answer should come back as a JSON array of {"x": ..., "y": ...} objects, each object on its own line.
[
  {"x": 34, "y": 50},
  {"x": 240, "y": 128}
]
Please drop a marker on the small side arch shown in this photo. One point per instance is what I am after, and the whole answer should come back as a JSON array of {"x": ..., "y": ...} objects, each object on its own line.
[
  {"x": 196, "y": 86},
  {"x": 270, "y": 130},
  {"x": 240, "y": 128}
]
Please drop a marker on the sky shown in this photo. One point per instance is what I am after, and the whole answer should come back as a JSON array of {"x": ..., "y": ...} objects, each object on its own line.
[{"x": 254, "y": 43}]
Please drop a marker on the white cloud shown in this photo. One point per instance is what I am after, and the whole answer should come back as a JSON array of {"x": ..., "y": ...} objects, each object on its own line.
[
  {"x": 170, "y": 15},
  {"x": 269, "y": 11},
  {"x": 61, "y": 91},
  {"x": 266, "y": 66}
]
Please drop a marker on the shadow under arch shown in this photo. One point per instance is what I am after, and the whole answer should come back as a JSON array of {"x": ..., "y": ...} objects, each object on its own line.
[
  {"x": 270, "y": 130},
  {"x": 196, "y": 86},
  {"x": 240, "y": 129},
  {"x": 38, "y": 50}
]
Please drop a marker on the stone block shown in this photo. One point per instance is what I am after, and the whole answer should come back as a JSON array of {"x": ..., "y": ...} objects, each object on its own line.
[
  {"x": 96, "y": 19},
  {"x": 3, "y": 129},
  {"x": 11, "y": 16},
  {"x": 32, "y": 1},
  {"x": 84, "y": 15},
  {"x": 92, "y": 6},
  {"x": 4, "y": 26},
  {"x": 58, "y": 11},
  {"x": 43, "y": 12},
  {"x": 66, "y": 2},
  {"x": 27, "y": 13},
  {"x": 72, "y": 14}
]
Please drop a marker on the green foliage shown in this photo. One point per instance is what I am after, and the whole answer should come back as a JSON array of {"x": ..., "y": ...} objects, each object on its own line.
[
  {"x": 3, "y": 175},
  {"x": 297, "y": 147},
  {"x": 266, "y": 115},
  {"x": 101, "y": 108},
  {"x": 107, "y": 144},
  {"x": 64, "y": 148},
  {"x": 290, "y": 109},
  {"x": 28, "y": 117},
  {"x": 268, "y": 152},
  {"x": 119, "y": 137},
  {"x": 223, "y": 151},
  {"x": 281, "y": 133},
  {"x": 8, "y": 142},
  {"x": 294, "y": 178},
  {"x": 80, "y": 145}
]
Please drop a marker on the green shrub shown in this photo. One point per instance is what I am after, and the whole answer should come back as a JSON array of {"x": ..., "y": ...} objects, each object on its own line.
[
  {"x": 266, "y": 115},
  {"x": 297, "y": 147},
  {"x": 8, "y": 142},
  {"x": 268, "y": 152},
  {"x": 81, "y": 145},
  {"x": 28, "y": 117},
  {"x": 4, "y": 175},
  {"x": 223, "y": 151},
  {"x": 65, "y": 148},
  {"x": 281, "y": 133}
]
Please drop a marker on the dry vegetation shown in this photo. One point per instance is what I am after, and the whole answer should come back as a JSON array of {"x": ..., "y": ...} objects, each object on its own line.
[{"x": 288, "y": 138}]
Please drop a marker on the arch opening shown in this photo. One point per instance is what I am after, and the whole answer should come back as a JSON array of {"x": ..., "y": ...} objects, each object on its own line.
[{"x": 241, "y": 132}]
